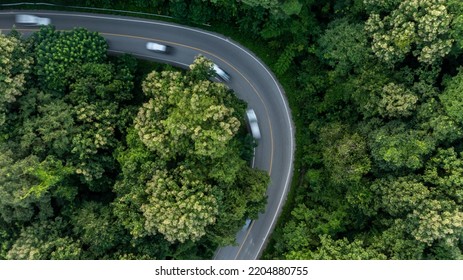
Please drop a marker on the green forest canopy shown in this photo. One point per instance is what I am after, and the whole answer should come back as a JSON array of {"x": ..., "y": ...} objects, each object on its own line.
[
  {"x": 98, "y": 163},
  {"x": 375, "y": 91}
]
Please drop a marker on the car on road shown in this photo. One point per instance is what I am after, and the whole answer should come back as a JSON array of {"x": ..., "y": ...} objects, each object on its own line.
[
  {"x": 32, "y": 20},
  {"x": 156, "y": 47},
  {"x": 247, "y": 224},
  {"x": 253, "y": 124},
  {"x": 220, "y": 72}
]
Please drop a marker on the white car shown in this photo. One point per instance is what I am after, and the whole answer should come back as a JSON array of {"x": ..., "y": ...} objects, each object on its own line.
[
  {"x": 32, "y": 20},
  {"x": 252, "y": 119},
  {"x": 220, "y": 72},
  {"x": 156, "y": 47}
]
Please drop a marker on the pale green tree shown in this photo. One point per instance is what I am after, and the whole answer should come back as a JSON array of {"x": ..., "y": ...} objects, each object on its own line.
[
  {"x": 418, "y": 27},
  {"x": 15, "y": 64},
  {"x": 437, "y": 220},
  {"x": 185, "y": 117},
  {"x": 45, "y": 240},
  {"x": 395, "y": 240},
  {"x": 180, "y": 206},
  {"x": 396, "y": 101},
  {"x": 398, "y": 196}
]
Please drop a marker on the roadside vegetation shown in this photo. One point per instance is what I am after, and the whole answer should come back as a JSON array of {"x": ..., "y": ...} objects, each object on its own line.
[
  {"x": 375, "y": 89},
  {"x": 103, "y": 159}
]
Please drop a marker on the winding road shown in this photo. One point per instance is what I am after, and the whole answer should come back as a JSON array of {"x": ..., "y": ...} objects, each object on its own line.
[{"x": 250, "y": 79}]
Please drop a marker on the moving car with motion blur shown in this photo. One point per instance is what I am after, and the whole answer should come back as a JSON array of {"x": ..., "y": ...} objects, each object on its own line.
[
  {"x": 221, "y": 73},
  {"x": 253, "y": 125},
  {"x": 156, "y": 47},
  {"x": 32, "y": 20}
]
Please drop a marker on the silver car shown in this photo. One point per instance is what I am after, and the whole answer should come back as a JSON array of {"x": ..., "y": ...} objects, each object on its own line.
[
  {"x": 156, "y": 47},
  {"x": 32, "y": 20},
  {"x": 254, "y": 126},
  {"x": 221, "y": 73}
]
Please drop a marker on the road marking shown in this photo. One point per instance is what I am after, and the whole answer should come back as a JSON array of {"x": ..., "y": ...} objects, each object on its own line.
[{"x": 244, "y": 239}]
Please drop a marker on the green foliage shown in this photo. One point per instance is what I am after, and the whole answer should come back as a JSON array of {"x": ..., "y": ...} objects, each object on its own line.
[
  {"x": 47, "y": 126},
  {"x": 398, "y": 196},
  {"x": 396, "y": 241},
  {"x": 395, "y": 147},
  {"x": 58, "y": 53},
  {"x": 97, "y": 229},
  {"x": 46, "y": 240},
  {"x": 27, "y": 186},
  {"x": 451, "y": 98},
  {"x": 182, "y": 169},
  {"x": 396, "y": 101},
  {"x": 181, "y": 115},
  {"x": 80, "y": 180},
  {"x": 345, "y": 156},
  {"x": 344, "y": 46},
  {"x": 444, "y": 173},
  {"x": 394, "y": 117},
  {"x": 383, "y": 184},
  {"x": 15, "y": 64},
  {"x": 286, "y": 58},
  {"x": 437, "y": 220},
  {"x": 179, "y": 206},
  {"x": 421, "y": 28},
  {"x": 342, "y": 249}
]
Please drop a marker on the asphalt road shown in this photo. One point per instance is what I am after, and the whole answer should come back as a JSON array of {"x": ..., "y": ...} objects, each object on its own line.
[{"x": 250, "y": 79}]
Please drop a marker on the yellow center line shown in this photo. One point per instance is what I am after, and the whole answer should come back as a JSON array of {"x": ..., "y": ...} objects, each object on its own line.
[{"x": 242, "y": 244}]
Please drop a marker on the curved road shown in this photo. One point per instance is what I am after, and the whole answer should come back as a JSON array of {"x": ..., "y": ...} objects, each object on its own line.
[{"x": 250, "y": 79}]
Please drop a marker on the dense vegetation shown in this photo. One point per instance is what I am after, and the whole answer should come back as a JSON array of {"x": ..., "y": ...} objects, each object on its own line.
[
  {"x": 101, "y": 158},
  {"x": 375, "y": 89}
]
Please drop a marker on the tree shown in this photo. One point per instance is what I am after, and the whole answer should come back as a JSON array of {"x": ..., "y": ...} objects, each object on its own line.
[
  {"x": 421, "y": 28},
  {"x": 97, "y": 229},
  {"x": 45, "y": 240},
  {"x": 444, "y": 172},
  {"x": 48, "y": 125},
  {"x": 396, "y": 101},
  {"x": 437, "y": 220},
  {"x": 344, "y": 46},
  {"x": 179, "y": 206},
  {"x": 59, "y": 53},
  {"x": 189, "y": 115},
  {"x": 342, "y": 249},
  {"x": 182, "y": 169},
  {"x": 451, "y": 98},
  {"x": 345, "y": 156},
  {"x": 433, "y": 119},
  {"x": 398, "y": 196},
  {"x": 28, "y": 185},
  {"x": 15, "y": 64},
  {"x": 395, "y": 241},
  {"x": 97, "y": 94},
  {"x": 394, "y": 147}
]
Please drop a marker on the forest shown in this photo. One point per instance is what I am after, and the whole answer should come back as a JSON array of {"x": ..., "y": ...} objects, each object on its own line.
[
  {"x": 375, "y": 89},
  {"x": 113, "y": 158}
]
